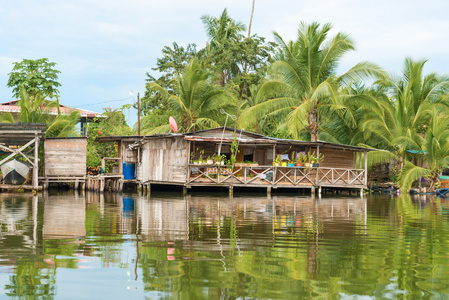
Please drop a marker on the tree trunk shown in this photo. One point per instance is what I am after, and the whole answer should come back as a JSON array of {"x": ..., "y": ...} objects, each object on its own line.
[
  {"x": 312, "y": 117},
  {"x": 251, "y": 19}
]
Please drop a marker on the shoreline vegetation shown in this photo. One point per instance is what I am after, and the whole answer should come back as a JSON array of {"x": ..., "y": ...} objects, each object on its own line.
[{"x": 285, "y": 89}]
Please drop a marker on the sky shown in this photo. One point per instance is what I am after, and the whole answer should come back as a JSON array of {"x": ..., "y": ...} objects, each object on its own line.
[{"x": 104, "y": 48}]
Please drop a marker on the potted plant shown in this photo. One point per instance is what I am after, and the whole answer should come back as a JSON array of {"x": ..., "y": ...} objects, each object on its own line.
[
  {"x": 200, "y": 159},
  {"x": 277, "y": 161},
  {"x": 317, "y": 161},
  {"x": 222, "y": 159},
  {"x": 209, "y": 160}
]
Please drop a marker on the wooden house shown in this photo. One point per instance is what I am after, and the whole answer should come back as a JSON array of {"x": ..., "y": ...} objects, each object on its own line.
[{"x": 261, "y": 161}]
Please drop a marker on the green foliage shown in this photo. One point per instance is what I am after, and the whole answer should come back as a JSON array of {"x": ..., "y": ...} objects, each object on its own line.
[
  {"x": 111, "y": 124},
  {"x": 173, "y": 61},
  {"x": 304, "y": 81},
  {"x": 37, "y": 76},
  {"x": 36, "y": 109},
  {"x": 195, "y": 101}
]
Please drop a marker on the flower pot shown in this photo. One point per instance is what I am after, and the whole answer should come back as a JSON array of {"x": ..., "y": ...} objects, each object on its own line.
[
  {"x": 315, "y": 165},
  {"x": 291, "y": 165},
  {"x": 298, "y": 164},
  {"x": 210, "y": 162},
  {"x": 283, "y": 164}
]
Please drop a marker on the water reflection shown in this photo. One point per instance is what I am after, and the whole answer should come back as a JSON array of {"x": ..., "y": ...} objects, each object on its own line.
[{"x": 201, "y": 246}]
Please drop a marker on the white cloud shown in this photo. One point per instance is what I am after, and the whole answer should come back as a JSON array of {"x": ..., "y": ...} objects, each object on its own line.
[{"x": 105, "y": 47}]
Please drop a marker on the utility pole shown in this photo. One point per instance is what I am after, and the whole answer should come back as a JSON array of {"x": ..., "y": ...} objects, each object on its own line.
[{"x": 138, "y": 113}]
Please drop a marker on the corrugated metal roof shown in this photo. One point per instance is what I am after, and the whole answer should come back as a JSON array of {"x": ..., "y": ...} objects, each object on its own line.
[
  {"x": 12, "y": 107},
  {"x": 229, "y": 140},
  {"x": 250, "y": 137}
]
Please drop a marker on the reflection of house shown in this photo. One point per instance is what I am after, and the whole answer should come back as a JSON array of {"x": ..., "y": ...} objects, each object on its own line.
[
  {"x": 85, "y": 115},
  {"x": 173, "y": 159},
  {"x": 64, "y": 217},
  {"x": 163, "y": 220}
]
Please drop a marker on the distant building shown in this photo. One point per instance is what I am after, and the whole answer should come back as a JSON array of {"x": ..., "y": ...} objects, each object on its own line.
[{"x": 85, "y": 115}]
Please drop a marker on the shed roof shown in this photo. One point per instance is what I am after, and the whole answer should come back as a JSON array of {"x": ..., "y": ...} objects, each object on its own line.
[
  {"x": 20, "y": 133},
  {"x": 244, "y": 137}
]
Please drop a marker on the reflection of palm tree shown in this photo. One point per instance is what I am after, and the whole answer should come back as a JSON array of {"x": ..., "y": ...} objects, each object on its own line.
[
  {"x": 303, "y": 76},
  {"x": 195, "y": 101}
]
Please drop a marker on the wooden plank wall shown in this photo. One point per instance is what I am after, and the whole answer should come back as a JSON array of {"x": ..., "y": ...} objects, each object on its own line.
[
  {"x": 335, "y": 158},
  {"x": 65, "y": 157},
  {"x": 164, "y": 160}
]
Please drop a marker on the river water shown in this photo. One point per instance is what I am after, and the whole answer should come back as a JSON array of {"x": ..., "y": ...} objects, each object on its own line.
[{"x": 211, "y": 246}]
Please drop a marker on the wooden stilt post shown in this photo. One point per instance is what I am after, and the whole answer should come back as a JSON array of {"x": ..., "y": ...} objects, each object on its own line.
[
  {"x": 102, "y": 185},
  {"x": 36, "y": 162},
  {"x": 231, "y": 190},
  {"x": 184, "y": 190},
  {"x": 268, "y": 191}
]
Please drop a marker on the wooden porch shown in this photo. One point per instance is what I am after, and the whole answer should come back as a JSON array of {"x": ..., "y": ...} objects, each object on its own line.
[{"x": 275, "y": 176}]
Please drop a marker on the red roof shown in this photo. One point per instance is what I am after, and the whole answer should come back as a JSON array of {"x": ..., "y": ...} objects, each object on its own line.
[{"x": 12, "y": 107}]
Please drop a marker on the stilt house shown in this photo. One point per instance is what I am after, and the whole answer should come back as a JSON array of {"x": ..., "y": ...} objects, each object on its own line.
[{"x": 224, "y": 157}]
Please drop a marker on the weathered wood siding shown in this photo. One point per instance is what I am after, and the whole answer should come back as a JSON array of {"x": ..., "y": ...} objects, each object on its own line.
[
  {"x": 335, "y": 158},
  {"x": 65, "y": 156},
  {"x": 164, "y": 160}
]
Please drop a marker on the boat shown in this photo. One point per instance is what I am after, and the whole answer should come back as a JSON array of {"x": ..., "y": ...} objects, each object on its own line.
[
  {"x": 15, "y": 172},
  {"x": 443, "y": 192}
]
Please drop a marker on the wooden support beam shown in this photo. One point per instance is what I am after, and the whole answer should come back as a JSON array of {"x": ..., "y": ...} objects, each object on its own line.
[
  {"x": 36, "y": 162},
  {"x": 18, "y": 187},
  {"x": 16, "y": 152},
  {"x": 366, "y": 168}
]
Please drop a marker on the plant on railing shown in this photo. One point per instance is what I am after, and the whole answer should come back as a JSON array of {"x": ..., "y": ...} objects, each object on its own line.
[
  {"x": 219, "y": 159},
  {"x": 315, "y": 160},
  {"x": 300, "y": 158},
  {"x": 277, "y": 161},
  {"x": 200, "y": 158},
  {"x": 234, "y": 151}
]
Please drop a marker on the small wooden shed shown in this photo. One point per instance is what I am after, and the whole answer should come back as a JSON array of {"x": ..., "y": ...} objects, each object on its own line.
[{"x": 65, "y": 160}]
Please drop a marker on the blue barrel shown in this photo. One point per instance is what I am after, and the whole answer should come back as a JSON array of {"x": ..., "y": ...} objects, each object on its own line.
[{"x": 129, "y": 171}]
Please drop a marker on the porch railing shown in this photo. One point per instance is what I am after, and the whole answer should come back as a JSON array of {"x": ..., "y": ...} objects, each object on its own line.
[{"x": 275, "y": 176}]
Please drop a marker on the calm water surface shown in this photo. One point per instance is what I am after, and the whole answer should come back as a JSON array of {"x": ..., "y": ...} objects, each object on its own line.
[{"x": 73, "y": 246}]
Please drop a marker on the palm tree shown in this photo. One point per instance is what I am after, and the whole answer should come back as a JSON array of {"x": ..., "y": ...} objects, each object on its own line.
[
  {"x": 405, "y": 114},
  {"x": 195, "y": 102},
  {"x": 435, "y": 153},
  {"x": 222, "y": 29},
  {"x": 304, "y": 76}
]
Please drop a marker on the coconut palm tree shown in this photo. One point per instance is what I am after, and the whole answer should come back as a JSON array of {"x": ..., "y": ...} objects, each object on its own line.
[
  {"x": 304, "y": 77},
  {"x": 435, "y": 153},
  {"x": 222, "y": 29},
  {"x": 399, "y": 126},
  {"x": 196, "y": 101}
]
